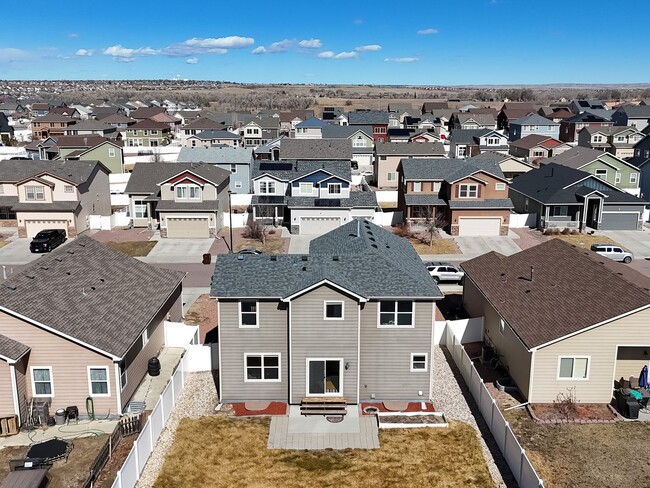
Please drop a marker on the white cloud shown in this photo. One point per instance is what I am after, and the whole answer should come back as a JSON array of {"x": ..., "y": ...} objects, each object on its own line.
[
  {"x": 426, "y": 32},
  {"x": 311, "y": 43},
  {"x": 123, "y": 53},
  {"x": 358, "y": 21},
  {"x": 84, "y": 52},
  {"x": 346, "y": 55},
  {"x": 9, "y": 54},
  {"x": 276, "y": 47},
  {"x": 190, "y": 47},
  {"x": 73, "y": 35},
  {"x": 401, "y": 60},
  {"x": 369, "y": 47},
  {"x": 326, "y": 54},
  {"x": 230, "y": 42},
  {"x": 192, "y": 60}
]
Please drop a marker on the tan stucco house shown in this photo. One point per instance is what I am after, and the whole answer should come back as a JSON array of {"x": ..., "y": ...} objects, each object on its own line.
[
  {"x": 186, "y": 200},
  {"x": 38, "y": 195},
  {"x": 80, "y": 323},
  {"x": 561, "y": 318}
]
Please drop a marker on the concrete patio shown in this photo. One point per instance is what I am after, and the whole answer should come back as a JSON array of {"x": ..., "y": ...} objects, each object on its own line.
[
  {"x": 296, "y": 431},
  {"x": 83, "y": 428},
  {"x": 152, "y": 387}
]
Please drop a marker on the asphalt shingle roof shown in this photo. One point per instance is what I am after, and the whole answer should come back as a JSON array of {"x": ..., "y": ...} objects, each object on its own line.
[
  {"x": 533, "y": 119},
  {"x": 368, "y": 117},
  {"x": 494, "y": 203},
  {"x": 206, "y": 135},
  {"x": 576, "y": 157},
  {"x": 92, "y": 293},
  {"x": 370, "y": 261},
  {"x": 559, "y": 272},
  {"x": 146, "y": 176},
  {"x": 411, "y": 149},
  {"x": 447, "y": 169},
  {"x": 297, "y": 169},
  {"x": 332, "y": 131},
  {"x": 76, "y": 172},
  {"x": 316, "y": 149},
  {"x": 12, "y": 349},
  {"x": 466, "y": 136},
  {"x": 216, "y": 155},
  {"x": 636, "y": 111},
  {"x": 356, "y": 199}
]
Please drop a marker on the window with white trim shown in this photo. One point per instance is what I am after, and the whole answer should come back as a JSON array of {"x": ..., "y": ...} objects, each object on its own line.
[
  {"x": 601, "y": 173},
  {"x": 391, "y": 176},
  {"x": 34, "y": 193},
  {"x": 238, "y": 184},
  {"x": 417, "y": 186},
  {"x": 42, "y": 382},
  {"x": 68, "y": 189},
  {"x": 140, "y": 209},
  {"x": 461, "y": 151},
  {"x": 419, "y": 362},
  {"x": 395, "y": 313},
  {"x": 248, "y": 314},
  {"x": 617, "y": 177},
  {"x": 468, "y": 191},
  {"x": 574, "y": 368},
  {"x": 500, "y": 186},
  {"x": 233, "y": 168},
  {"x": 334, "y": 188},
  {"x": 262, "y": 367},
  {"x": 111, "y": 152},
  {"x": 492, "y": 141},
  {"x": 267, "y": 187},
  {"x": 98, "y": 381},
  {"x": 436, "y": 186},
  {"x": 560, "y": 211},
  {"x": 306, "y": 188},
  {"x": 633, "y": 177},
  {"x": 333, "y": 310},
  {"x": 359, "y": 142},
  {"x": 538, "y": 153}
]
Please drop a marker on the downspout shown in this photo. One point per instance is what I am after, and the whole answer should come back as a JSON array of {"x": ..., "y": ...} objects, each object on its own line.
[
  {"x": 358, "y": 351},
  {"x": 14, "y": 390},
  {"x": 531, "y": 376},
  {"x": 290, "y": 358},
  {"x": 118, "y": 387}
]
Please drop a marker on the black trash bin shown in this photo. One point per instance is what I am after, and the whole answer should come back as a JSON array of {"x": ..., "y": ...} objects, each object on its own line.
[
  {"x": 153, "y": 367},
  {"x": 207, "y": 258},
  {"x": 633, "y": 408}
]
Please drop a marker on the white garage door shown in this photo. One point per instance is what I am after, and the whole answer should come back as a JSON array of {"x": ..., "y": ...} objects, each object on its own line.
[
  {"x": 470, "y": 226},
  {"x": 180, "y": 228},
  {"x": 33, "y": 227},
  {"x": 318, "y": 225}
]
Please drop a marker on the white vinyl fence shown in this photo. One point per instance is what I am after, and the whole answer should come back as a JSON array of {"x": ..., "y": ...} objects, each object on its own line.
[
  {"x": 99, "y": 222},
  {"x": 519, "y": 464},
  {"x": 523, "y": 220},
  {"x": 129, "y": 474},
  {"x": 388, "y": 218}
]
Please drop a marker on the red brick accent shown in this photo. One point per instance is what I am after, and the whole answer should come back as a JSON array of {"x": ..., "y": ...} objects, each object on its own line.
[
  {"x": 72, "y": 232},
  {"x": 22, "y": 231}
]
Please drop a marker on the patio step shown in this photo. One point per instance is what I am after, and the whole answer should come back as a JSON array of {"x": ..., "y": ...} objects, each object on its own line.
[{"x": 323, "y": 406}]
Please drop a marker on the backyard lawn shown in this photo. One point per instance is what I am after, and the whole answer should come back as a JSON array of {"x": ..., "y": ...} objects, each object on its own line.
[
  {"x": 274, "y": 245},
  {"x": 585, "y": 455},
  {"x": 234, "y": 453},
  {"x": 64, "y": 474},
  {"x": 133, "y": 248}
]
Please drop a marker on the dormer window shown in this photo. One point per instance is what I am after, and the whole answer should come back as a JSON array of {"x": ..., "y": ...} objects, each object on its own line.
[
  {"x": 467, "y": 191},
  {"x": 191, "y": 192},
  {"x": 493, "y": 141},
  {"x": 36, "y": 193},
  {"x": 334, "y": 188},
  {"x": 306, "y": 188}
]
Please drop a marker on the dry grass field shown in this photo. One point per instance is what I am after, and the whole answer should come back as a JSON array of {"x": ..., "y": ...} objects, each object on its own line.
[{"x": 221, "y": 452}]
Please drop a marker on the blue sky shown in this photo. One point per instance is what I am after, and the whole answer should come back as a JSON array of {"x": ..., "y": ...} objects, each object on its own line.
[{"x": 384, "y": 42}]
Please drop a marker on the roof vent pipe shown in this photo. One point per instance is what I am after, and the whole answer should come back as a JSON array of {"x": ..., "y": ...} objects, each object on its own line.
[{"x": 532, "y": 269}]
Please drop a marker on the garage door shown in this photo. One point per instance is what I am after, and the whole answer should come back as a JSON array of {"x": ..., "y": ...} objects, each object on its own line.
[
  {"x": 470, "y": 226},
  {"x": 318, "y": 225},
  {"x": 33, "y": 227},
  {"x": 619, "y": 221},
  {"x": 180, "y": 228}
]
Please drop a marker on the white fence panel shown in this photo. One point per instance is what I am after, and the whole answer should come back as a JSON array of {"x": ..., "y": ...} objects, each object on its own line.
[
  {"x": 157, "y": 424},
  {"x": 466, "y": 367},
  {"x": 120, "y": 219},
  {"x": 475, "y": 384},
  {"x": 486, "y": 405},
  {"x": 119, "y": 200},
  {"x": 145, "y": 446},
  {"x": 388, "y": 218},
  {"x": 184, "y": 365},
  {"x": 117, "y": 483},
  {"x": 468, "y": 330},
  {"x": 178, "y": 334},
  {"x": 386, "y": 196},
  {"x": 529, "y": 477},
  {"x": 513, "y": 453},
  {"x": 199, "y": 358},
  {"x": 241, "y": 199},
  {"x": 177, "y": 384},
  {"x": 129, "y": 472},
  {"x": 239, "y": 220},
  {"x": 439, "y": 328},
  {"x": 167, "y": 402},
  {"x": 499, "y": 427},
  {"x": 523, "y": 220}
]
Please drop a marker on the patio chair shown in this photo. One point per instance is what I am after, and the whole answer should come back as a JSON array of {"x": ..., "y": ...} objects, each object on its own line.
[
  {"x": 634, "y": 383},
  {"x": 623, "y": 383}
]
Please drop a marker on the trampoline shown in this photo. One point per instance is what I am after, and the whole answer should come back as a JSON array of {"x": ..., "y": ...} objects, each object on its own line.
[{"x": 50, "y": 450}]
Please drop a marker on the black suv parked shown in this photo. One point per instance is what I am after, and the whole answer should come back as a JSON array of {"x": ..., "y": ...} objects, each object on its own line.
[{"x": 47, "y": 239}]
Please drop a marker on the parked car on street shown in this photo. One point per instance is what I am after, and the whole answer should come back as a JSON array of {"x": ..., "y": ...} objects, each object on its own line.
[
  {"x": 47, "y": 239},
  {"x": 444, "y": 272},
  {"x": 613, "y": 252}
]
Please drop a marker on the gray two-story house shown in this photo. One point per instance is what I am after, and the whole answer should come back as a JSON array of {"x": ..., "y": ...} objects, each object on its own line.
[
  {"x": 236, "y": 160},
  {"x": 186, "y": 200},
  {"x": 350, "y": 321}
]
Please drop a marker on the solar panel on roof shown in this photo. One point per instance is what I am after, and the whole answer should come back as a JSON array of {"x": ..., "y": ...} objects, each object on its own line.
[
  {"x": 270, "y": 199},
  {"x": 327, "y": 202},
  {"x": 276, "y": 166}
]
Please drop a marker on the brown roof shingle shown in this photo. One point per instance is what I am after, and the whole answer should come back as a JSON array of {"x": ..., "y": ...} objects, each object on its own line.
[{"x": 555, "y": 289}]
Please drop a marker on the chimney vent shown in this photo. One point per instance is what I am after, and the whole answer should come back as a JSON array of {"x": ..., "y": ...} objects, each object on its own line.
[{"x": 305, "y": 257}]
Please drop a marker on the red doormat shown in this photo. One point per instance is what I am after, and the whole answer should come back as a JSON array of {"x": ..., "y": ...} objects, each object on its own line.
[
  {"x": 412, "y": 407},
  {"x": 274, "y": 408}
]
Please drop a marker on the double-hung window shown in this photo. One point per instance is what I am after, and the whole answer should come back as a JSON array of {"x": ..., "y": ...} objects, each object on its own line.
[
  {"x": 42, "y": 382},
  {"x": 573, "y": 368},
  {"x": 267, "y": 187},
  {"x": 633, "y": 177},
  {"x": 417, "y": 186},
  {"x": 468, "y": 191},
  {"x": 248, "y": 314},
  {"x": 334, "y": 188},
  {"x": 140, "y": 209},
  {"x": 195, "y": 193},
  {"x": 306, "y": 188},
  {"x": 601, "y": 173},
  {"x": 262, "y": 367},
  {"x": 181, "y": 192},
  {"x": 419, "y": 362},
  {"x": 34, "y": 193},
  {"x": 396, "y": 313},
  {"x": 98, "y": 381}
]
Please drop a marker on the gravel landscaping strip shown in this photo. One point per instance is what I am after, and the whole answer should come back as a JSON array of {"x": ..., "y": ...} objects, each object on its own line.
[
  {"x": 198, "y": 399},
  {"x": 452, "y": 396}
]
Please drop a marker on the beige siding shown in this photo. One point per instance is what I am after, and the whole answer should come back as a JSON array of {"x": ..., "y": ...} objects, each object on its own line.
[
  {"x": 270, "y": 337},
  {"x": 514, "y": 354},
  {"x": 22, "y": 192},
  {"x": 69, "y": 362},
  {"x": 630, "y": 360},
  {"x": 21, "y": 385},
  {"x": 137, "y": 370},
  {"x": 314, "y": 337},
  {"x": 95, "y": 198},
  {"x": 600, "y": 345},
  {"x": 386, "y": 355},
  {"x": 6, "y": 391}
]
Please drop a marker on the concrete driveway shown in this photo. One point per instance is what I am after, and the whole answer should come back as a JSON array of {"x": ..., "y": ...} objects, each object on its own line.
[
  {"x": 300, "y": 244},
  {"x": 476, "y": 246},
  {"x": 178, "y": 251},
  {"x": 17, "y": 252},
  {"x": 636, "y": 241}
]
